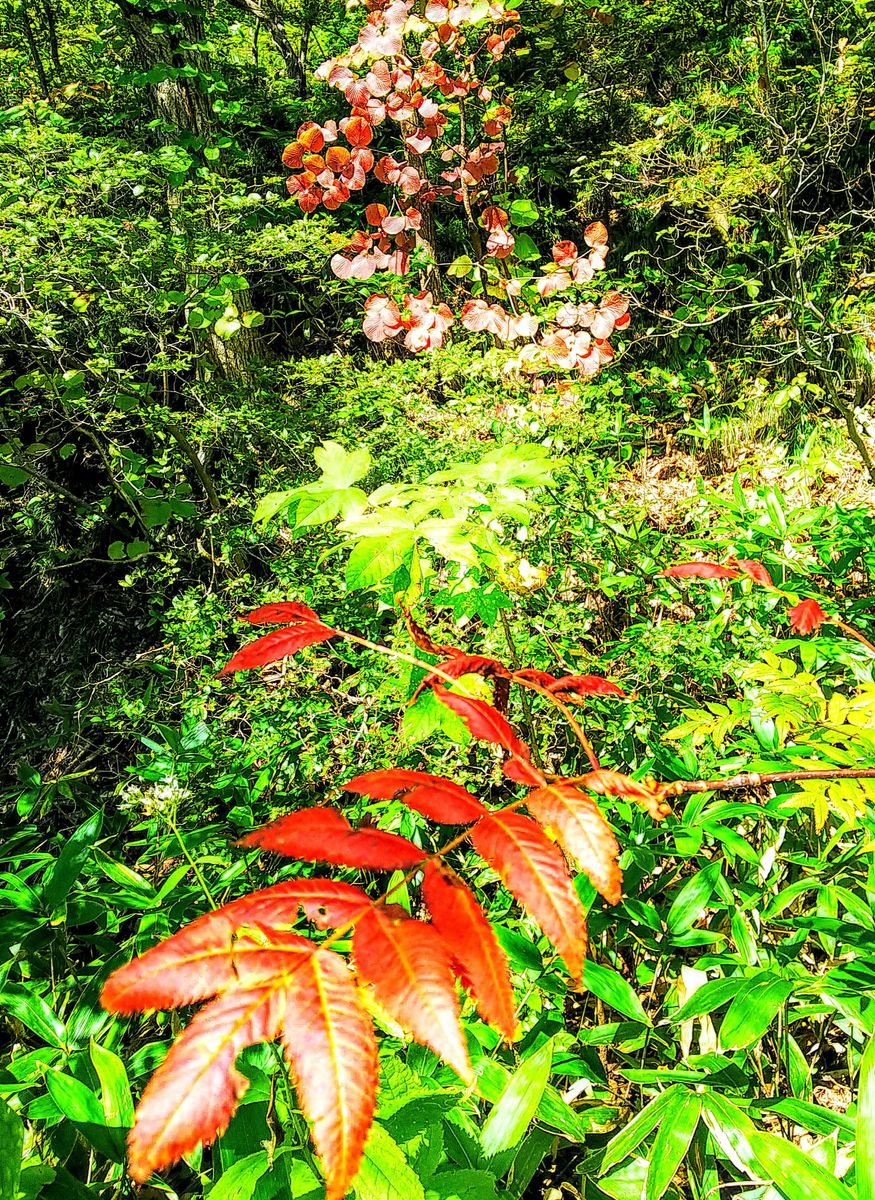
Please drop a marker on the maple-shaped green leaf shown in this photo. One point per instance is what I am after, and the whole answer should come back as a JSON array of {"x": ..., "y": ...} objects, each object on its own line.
[{"x": 340, "y": 467}]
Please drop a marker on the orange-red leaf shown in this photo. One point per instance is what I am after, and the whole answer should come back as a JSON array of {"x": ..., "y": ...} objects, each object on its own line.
[
  {"x": 193, "y": 1094},
  {"x": 533, "y": 868},
  {"x": 471, "y": 664},
  {"x": 324, "y": 835},
  {"x": 408, "y": 965},
  {"x": 421, "y": 637},
  {"x": 533, "y": 675},
  {"x": 476, "y": 950},
  {"x": 807, "y": 616},
  {"x": 490, "y": 726},
  {"x": 332, "y": 1054},
  {"x": 574, "y": 820},
  {"x": 700, "y": 570},
  {"x": 280, "y": 613},
  {"x": 279, "y": 644},
  {"x": 615, "y": 783},
  {"x": 438, "y": 799},
  {"x": 755, "y": 571},
  {"x": 586, "y": 685},
  {"x": 197, "y": 962}
]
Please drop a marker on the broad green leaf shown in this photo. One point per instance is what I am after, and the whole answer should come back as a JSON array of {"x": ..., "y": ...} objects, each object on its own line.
[
  {"x": 341, "y": 468},
  {"x": 523, "y": 213},
  {"x": 318, "y": 506},
  {"x": 461, "y": 1185},
  {"x": 672, "y": 1142},
  {"x": 115, "y": 1089},
  {"x": 752, "y": 1011},
  {"x": 613, "y": 989},
  {"x": 11, "y": 1143},
  {"x": 692, "y": 900},
  {"x": 796, "y": 1176},
  {"x": 240, "y": 1179},
  {"x": 525, "y": 249},
  {"x": 80, "y": 1105},
  {"x": 271, "y": 504},
  {"x": 630, "y": 1138},
  {"x": 509, "y": 1120},
  {"x": 68, "y": 867},
  {"x": 865, "y": 1155},
  {"x": 731, "y": 1129},
  {"x": 385, "y": 1173},
  {"x": 708, "y": 997},
  {"x": 32, "y": 1011},
  {"x": 375, "y": 559}
]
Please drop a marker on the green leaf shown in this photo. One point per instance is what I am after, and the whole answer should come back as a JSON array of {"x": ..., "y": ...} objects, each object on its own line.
[
  {"x": 509, "y": 1120},
  {"x": 268, "y": 506},
  {"x": 865, "y": 1156},
  {"x": 118, "y": 1104},
  {"x": 630, "y": 1138},
  {"x": 11, "y": 1143},
  {"x": 460, "y": 267},
  {"x": 672, "y": 1142},
  {"x": 796, "y": 1176},
  {"x": 12, "y": 476},
  {"x": 32, "y": 1011},
  {"x": 385, "y": 1173},
  {"x": 692, "y": 900},
  {"x": 525, "y": 249},
  {"x": 116, "y": 550},
  {"x": 731, "y": 1129},
  {"x": 341, "y": 468},
  {"x": 523, "y": 213},
  {"x": 68, "y": 867},
  {"x": 74, "y": 1099},
  {"x": 461, "y": 1185},
  {"x": 708, "y": 997},
  {"x": 375, "y": 559},
  {"x": 753, "y": 1010},
  {"x": 137, "y": 548},
  {"x": 613, "y": 989},
  {"x": 317, "y": 506},
  {"x": 240, "y": 1179}
]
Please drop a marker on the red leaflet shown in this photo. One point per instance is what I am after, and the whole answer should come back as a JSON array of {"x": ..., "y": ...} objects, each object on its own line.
[
  {"x": 280, "y": 614},
  {"x": 575, "y": 822},
  {"x": 324, "y": 835},
  {"x": 279, "y": 644},
  {"x": 615, "y": 783},
  {"x": 423, "y": 639},
  {"x": 481, "y": 961},
  {"x": 193, "y": 1094},
  {"x": 471, "y": 664},
  {"x": 532, "y": 675},
  {"x": 409, "y": 967},
  {"x": 533, "y": 868},
  {"x": 807, "y": 616},
  {"x": 197, "y": 962},
  {"x": 522, "y": 772},
  {"x": 332, "y": 1053},
  {"x": 485, "y": 723},
  {"x": 438, "y": 799},
  {"x": 586, "y": 685},
  {"x": 755, "y": 571},
  {"x": 700, "y": 570}
]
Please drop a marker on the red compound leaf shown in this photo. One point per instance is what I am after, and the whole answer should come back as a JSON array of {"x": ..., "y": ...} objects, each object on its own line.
[
  {"x": 700, "y": 570},
  {"x": 807, "y": 617},
  {"x": 475, "y": 949},
  {"x": 573, "y": 820},
  {"x": 438, "y": 799},
  {"x": 533, "y": 869},
  {"x": 324, "y": 835},
  {"x": 408, "y": 965}
]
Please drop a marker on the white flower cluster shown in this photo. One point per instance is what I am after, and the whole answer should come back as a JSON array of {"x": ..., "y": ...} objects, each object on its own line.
[{"x": 153, "y": 799}]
